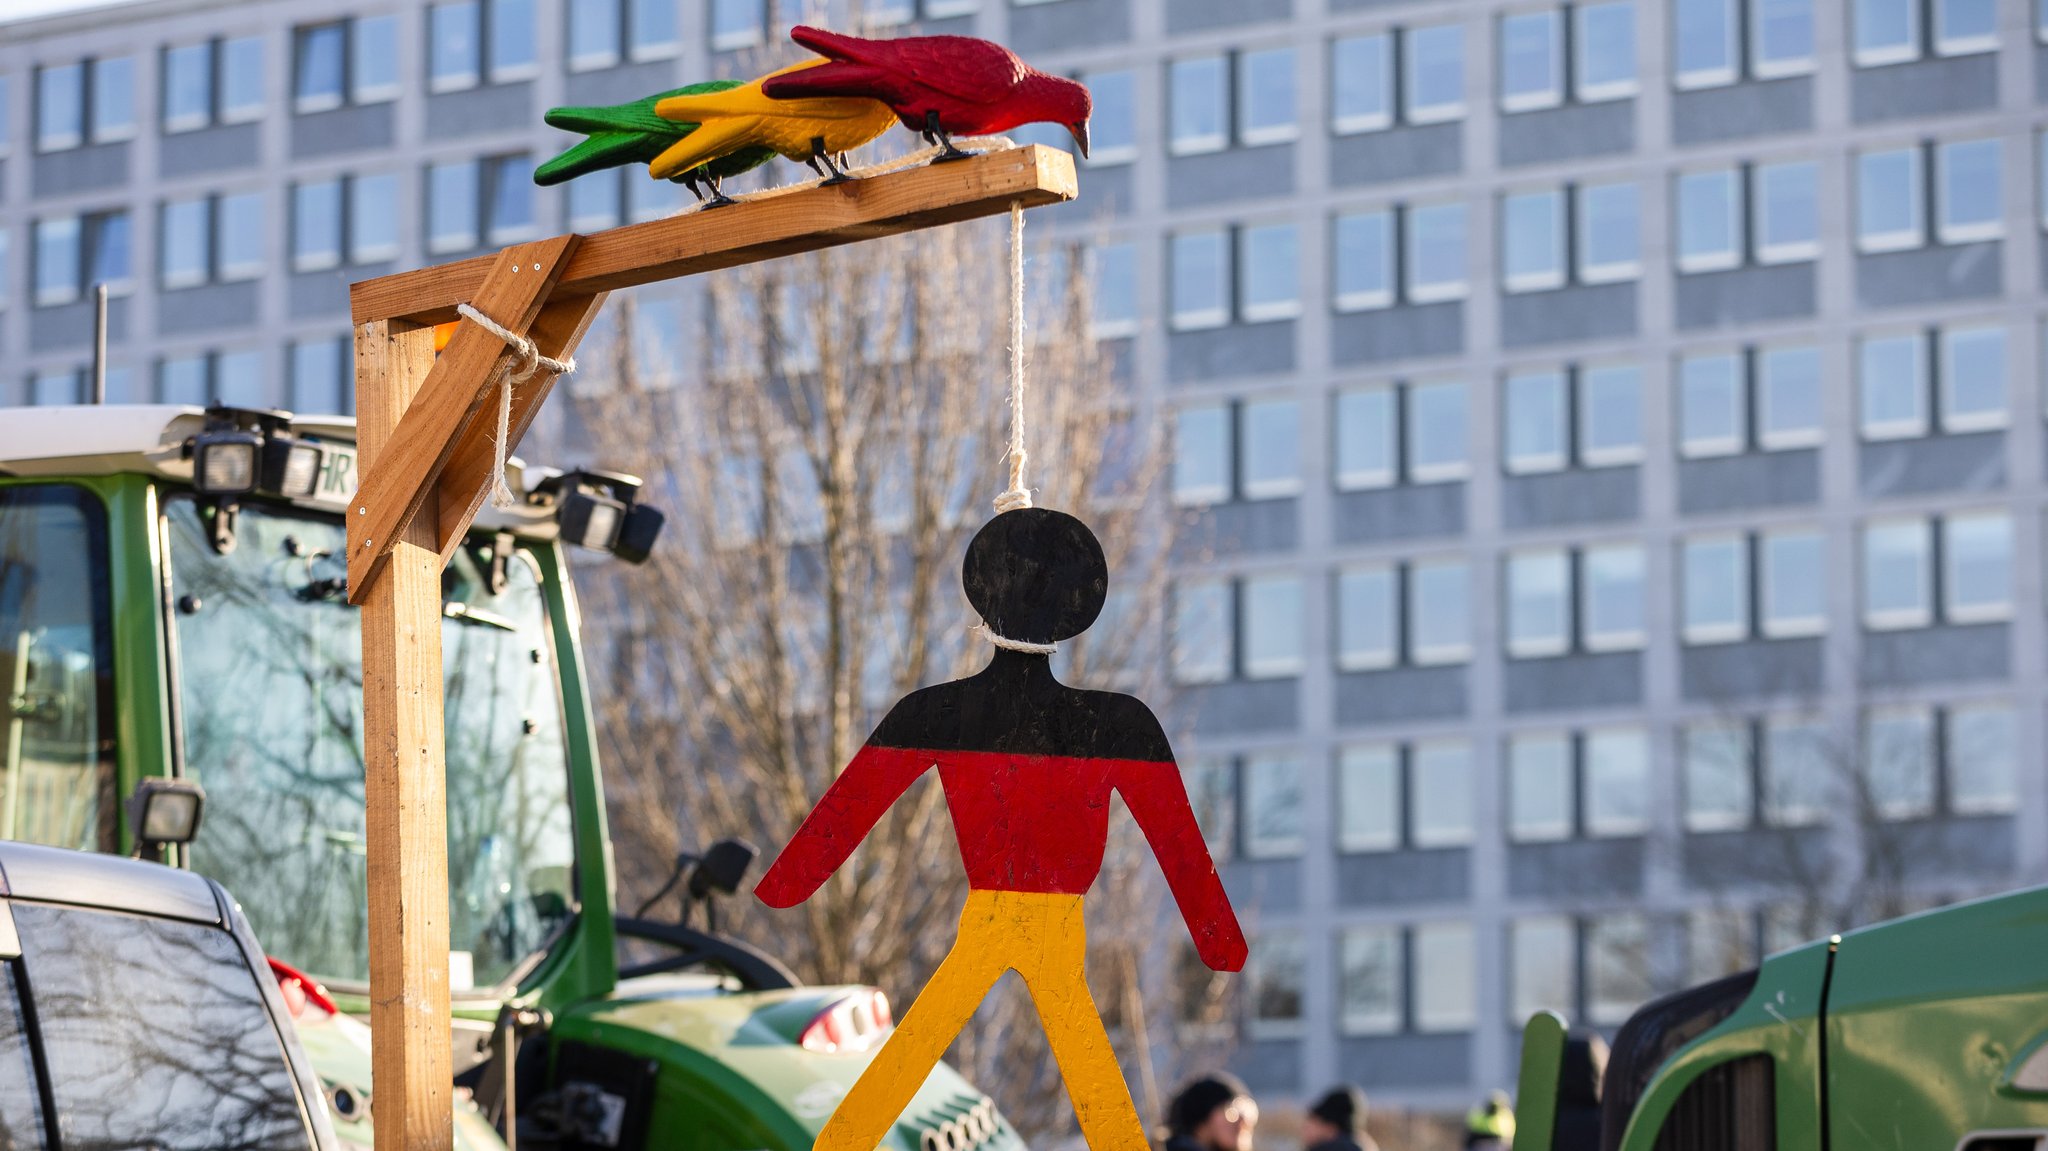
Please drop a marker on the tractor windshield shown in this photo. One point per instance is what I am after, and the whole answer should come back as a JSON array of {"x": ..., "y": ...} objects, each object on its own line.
[{"x": 269, "y": 674}]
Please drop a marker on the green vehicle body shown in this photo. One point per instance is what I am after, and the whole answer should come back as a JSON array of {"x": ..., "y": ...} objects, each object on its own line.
[
  {"x": 723, "y": 1066},
  {"x": 1929, "y": 1031}
]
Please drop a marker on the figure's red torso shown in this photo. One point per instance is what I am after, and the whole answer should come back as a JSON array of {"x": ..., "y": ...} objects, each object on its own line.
[{"x": 1029, "y": 822}]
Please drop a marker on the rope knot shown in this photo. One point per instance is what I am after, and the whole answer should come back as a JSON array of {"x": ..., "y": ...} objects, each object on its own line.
[
  {"x": 1006, "y": 643},
  {"x": 527, "y": 360}
]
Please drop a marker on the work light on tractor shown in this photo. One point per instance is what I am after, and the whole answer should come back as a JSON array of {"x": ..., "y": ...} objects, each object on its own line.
[{"x": 599, "y": 510}]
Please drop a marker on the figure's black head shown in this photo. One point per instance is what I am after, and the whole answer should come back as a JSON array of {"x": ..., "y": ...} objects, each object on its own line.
[{"x": 1036, "y": 575}]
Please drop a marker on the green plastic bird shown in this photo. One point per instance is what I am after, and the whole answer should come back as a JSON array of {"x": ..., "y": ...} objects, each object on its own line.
[{"x": 633, "y": 134}]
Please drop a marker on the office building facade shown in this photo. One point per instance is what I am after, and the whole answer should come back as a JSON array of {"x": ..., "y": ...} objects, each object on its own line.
[{"x": 1608, "y": 438}]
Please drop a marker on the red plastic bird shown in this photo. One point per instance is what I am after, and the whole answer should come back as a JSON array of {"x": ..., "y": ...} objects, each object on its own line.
[{"x": 938, "y": 86}]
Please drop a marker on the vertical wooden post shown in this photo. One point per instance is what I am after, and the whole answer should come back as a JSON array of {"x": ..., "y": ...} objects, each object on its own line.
[{"x": 405, "y": 779}]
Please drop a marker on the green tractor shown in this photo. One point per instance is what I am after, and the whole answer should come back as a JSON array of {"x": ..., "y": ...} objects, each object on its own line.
[
  {"x": 1924, "y": 1032},
  {"x": 173, "y": 616}
]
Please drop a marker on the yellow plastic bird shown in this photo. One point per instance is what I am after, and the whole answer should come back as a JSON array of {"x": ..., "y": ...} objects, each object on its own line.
[{"x": 812, "y": 130}]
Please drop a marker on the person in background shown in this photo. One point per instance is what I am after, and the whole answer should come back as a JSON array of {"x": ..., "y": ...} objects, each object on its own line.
[
  {"x": 1337, "y": 1122},
  {"x": 1491, "y": 1125},
  {"x": 1212, "y": 1113}
]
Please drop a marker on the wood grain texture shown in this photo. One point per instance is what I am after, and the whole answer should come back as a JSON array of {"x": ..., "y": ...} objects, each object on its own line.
[
  {"x": 453, "y": 398},
  {"x": 466, "y": 480},
  {"x": 779, "y": 223},
  {"x": 405, "y": 781}
]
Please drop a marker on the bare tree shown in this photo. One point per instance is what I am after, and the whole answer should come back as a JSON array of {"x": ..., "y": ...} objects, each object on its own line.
[{"x": 825, "y": 450}]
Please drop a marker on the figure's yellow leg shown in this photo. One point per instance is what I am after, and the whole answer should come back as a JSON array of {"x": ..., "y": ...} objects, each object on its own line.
[
  {"x": 1095, "y": 1081},
  {"x": 879, "y": 1096}
]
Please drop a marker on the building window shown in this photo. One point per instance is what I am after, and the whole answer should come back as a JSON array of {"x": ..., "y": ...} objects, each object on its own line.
[
  {"x": 1709, "y": 220},
  {"x": 603, "y": 32},
  {"x": 372, "y": 218},
  {"x": 1595, "y": 785},
  {"x": 1889, "y": 213},
  {"x": 1201, "y": 279},
  {"x": 1272, "y": 806},
  {"x": 1967, "y": 203},
  {"x": 1798, "y": 771},
  {"x": 1271, "y": 627},
  {"x": 473, "y": 201},
  {"x": 1202, "y": 631},
  {"x": 1892, "y": 31},
  {"x": 1446, "y": 977},
  {"x": 1894, "y": 374},
  {"x": 352, "y": 61},
  {"x": 1553, "y": 418},
  {"x": 1534, "y": 251},
  {"x": 1435, "y": 251},
  {"x": 1362, "y": 83},
  {"x": 1531, "y": 60},
  {"x": 212, "y": 239},
  {"x": 1366, "y": 257},
  {"x": 319, "y": 374},
  {"x": 1382, "y": 608},
  {"x": 1248, "y": 451},
  {"x": 90, "y": 102},
  {"x": 1604, "y": 51},
  {"x": 1249, "y": 629},
  {"x": 1434, "y": 80},
  {"x": 1787, "y": 203},
  {"x": 1265, "y": 97},
  {"x": 1371, "y": 992},
  {"x": 1365, "y": 453},
  {"x": 1440, "y": 793},
  {"x": 73, "y": 253},
  {"x": 1708, "y": 48},
  {"x": 1432, "y": 418},
  {"x": 1114, "y": 123},
  {"x": 1364, "y": 260},
  {"x": 1439, "y": 612},
  {"x": 1716, "y": 578},
  {"x": 737, "y": 24},
  {"x": 479, "y": 41},
  {"x": 352, "y": 217},
  {"x": 58, "y": 266},
  {"x": 1714, "y": 401},
  {"x": 1277, "y": 980},
  {"x": 1369, "y": 797},
  {"x": 1715, "y": 764},
  {"x": 213, "y": 82},
  {"x": 452, "y": 197},
  {"x": 1793, "y": 582},
  {"x": 1899, "y": 761},
  {"x": 1368, "y": 621},
  {"x": 595, "y": 201},
  {"x": 1980, "y": 745},
  {"x": 1532, "y": 241},
  {"x": 1900, "y": 570},
  {"x": 1113, "y": 278},
  {"x": 1269, "y": 283},
  {"x": 213, "y": 377},
  {"x": 1540, "y": 600},
  {"x": 1543, "y": 960},
  {"x": 1199, "y": 101},
  {"x": 1617, "y": 967},
  {"x": 6, "y": 115}
]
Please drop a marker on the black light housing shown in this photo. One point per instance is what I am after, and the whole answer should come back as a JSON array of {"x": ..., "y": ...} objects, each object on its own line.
[
  {"x": 165, "y": 811},
  {"x": 242, "y": 450},
  {"x": 599, "y": 510}
]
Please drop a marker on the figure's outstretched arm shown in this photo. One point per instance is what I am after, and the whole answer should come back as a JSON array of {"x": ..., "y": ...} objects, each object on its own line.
[
  {"x": 1159, "y": 800},
  {"x": 873, "y": 781}
]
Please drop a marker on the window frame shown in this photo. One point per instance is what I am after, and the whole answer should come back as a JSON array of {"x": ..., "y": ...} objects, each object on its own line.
[
  {"x": 1209, "y": 142},
  {"x": 1900, "y": 53},
  {"x": 1254, "y": 136},
  {"x": 1346, "y": 658},
  {"x": 1420, "y": 654},
  {"x": 1771, "y": 624},
  {"x": 1578, "y": 41},
  {"x": 1567, "y": 603},
  {"x": 1873, "y": 430},
  {"x": 1976, "y": 231},
  {"x": 1559, "y": 244},
  {"x": 1580, "y": 571},
  {"x": 1763, "y": 251},
  {"x": 1719, "y": 76},
  {"x": 1902, "y": 239},
  {"x": 1718, "y": 260},
  {"x": 1899, "y": 618},
  {"x": 1946, "y": 376},
  {"x": 1960, "y": 613},
  {"x": 1709, "y": 447},
  {"x": 1731, "y": 631},
  {"x": 1613, "y": 271},
  {"x": 1356, "y": 123},
  {"x": 1535, "y": 100}
]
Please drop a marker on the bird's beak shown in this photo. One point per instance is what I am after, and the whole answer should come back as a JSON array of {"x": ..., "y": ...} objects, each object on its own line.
[{"x": 1080, "y": 132}]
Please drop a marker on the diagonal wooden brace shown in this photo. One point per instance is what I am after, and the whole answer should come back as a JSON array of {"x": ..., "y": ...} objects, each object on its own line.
[
  {"x": 466, "y": 482},
  {"x": 410, "y": 466}
]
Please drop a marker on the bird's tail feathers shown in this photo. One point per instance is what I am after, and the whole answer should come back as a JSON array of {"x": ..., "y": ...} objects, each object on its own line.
[
  {"x": 601, "y": 150},
  {"x": 713, "y": 139},
  {"x": 837, "y": 78}
]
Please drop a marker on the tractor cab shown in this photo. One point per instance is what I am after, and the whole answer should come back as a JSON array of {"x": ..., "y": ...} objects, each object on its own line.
[{"x": 180, "y": 676}]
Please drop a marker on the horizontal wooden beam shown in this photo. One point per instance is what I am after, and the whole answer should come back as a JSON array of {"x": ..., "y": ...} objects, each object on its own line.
[{"x": 781, "y": 222}]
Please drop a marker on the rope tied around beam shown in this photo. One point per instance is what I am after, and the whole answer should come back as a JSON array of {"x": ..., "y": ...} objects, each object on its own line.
[{"x": 527, "y": 361}]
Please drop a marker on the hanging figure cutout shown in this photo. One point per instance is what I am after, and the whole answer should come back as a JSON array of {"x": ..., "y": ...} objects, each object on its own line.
[{"x": 1028, "y": 765}]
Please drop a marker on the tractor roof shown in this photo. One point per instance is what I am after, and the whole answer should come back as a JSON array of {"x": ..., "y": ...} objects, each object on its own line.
[{"x": 151, "y": 439}]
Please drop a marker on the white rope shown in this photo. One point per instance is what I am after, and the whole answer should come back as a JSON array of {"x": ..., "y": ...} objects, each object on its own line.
[
  {"x": 991, "y": 635},
  {"x": 1018, "y": 496},
  {"x": 529, "y": 360}
]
